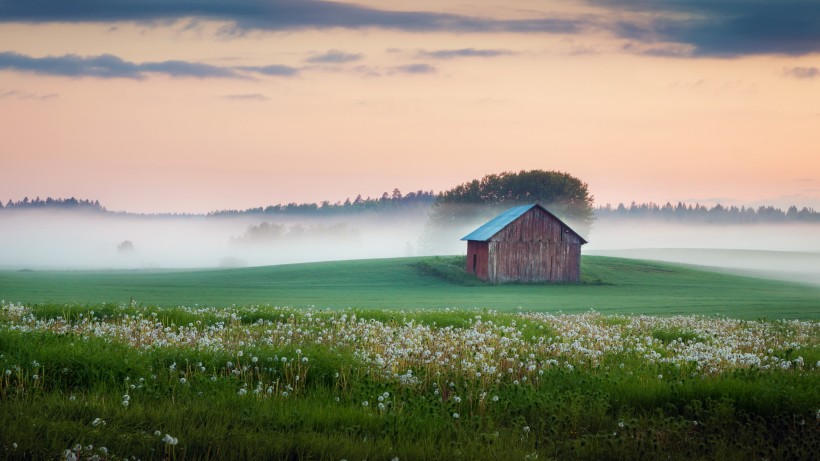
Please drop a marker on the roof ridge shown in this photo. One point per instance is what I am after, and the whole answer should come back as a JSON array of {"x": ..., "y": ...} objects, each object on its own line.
[{"x": 487, "y": 230}]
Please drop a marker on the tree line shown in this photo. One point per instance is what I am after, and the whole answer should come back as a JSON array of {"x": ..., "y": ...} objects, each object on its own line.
[
  {"x": 563, "y": 194},
  {"x": 703, "y": 214},
  {"x": 388, "y": 202},
  {"x": 58, "y": 203}
]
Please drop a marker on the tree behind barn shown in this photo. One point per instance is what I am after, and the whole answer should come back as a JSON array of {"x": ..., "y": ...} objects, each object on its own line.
[{"x": 460, "y": 209}]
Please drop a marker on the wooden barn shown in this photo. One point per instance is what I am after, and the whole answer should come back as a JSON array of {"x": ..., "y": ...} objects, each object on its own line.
[{"x": 525, "y": 244}]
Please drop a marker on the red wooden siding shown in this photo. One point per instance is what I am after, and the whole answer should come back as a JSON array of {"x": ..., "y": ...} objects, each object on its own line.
[
  {"x": 477, "y": 258},
  {"x": 536, "y": 247}
]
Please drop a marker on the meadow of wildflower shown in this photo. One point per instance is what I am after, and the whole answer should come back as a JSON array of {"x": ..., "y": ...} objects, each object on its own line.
[
  {"x": 611, "y": 285},
  {"x": 126, "y": 381},
  {"x": 407, "y": 359}
]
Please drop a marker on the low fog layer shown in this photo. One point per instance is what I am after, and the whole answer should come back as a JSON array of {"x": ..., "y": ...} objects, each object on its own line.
[
  {"x": 780, "y": 251},
  {"x": 66, "y": 240},
  {"x": 619, "y": 234},
  {"x": 74, "y": 240}
]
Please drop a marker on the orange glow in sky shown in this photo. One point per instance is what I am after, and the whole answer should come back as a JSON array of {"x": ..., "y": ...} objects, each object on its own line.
[{"x": 206, "y": 110}]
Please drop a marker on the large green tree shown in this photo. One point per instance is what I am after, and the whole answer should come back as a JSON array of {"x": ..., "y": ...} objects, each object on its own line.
[{"x": 471, "y": 203}]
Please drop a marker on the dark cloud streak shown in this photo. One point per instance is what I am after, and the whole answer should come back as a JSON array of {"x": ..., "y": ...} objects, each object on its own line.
[
  {"x": 273, "y": 70},
  {"x": 334, "y": 57},
  {"x": 249, "y": 15},
  {"x": 102, "y": 66},
  {"x": 17, "y": 94},
  {"x": 464, "y": 53},
  {"x": 724, "y": 28},
  {"x": 110, "y": 66},
  {"x": 716, "y": 28},
  {"x": 418, "y": 68},
  {"x": 805, "y": 73}
]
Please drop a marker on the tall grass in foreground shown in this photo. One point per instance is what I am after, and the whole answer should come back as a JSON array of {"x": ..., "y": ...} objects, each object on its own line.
[{"x": 117, "y": 382}]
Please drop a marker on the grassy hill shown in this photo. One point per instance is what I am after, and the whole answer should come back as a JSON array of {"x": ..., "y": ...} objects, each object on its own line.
[{"x": 618, "y": 286}]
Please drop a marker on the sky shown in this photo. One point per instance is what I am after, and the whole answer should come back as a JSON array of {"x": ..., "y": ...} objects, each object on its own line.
[{"x": 194, "y": 106}]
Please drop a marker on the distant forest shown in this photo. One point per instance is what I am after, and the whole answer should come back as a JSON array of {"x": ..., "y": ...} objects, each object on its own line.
[
  {"x": 718, "y": 214},
  {"x": 397, "y": 202},
  {"x": 387, "y": 202},
  {"x": 59, "y": 203}
]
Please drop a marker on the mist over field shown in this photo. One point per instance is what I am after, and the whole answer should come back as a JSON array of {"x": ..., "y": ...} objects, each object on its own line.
[
  {"x": 784, "y": 251},
  {"x": 38, "y": 239},
  {"x": 66, "y": 240}
]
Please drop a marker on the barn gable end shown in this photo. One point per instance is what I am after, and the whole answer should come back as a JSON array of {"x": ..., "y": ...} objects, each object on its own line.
[{"x": 525, "y": 244}]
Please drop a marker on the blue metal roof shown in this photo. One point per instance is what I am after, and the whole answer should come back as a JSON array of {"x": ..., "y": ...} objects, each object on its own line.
[{"x": 493, "y": 226}]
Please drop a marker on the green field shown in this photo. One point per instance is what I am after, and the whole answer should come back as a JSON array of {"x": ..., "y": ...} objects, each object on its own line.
[
  {"x": 129, "y": 382},
  {"x": 132, "y": 364},
  {"x": 613, "y": 286}
]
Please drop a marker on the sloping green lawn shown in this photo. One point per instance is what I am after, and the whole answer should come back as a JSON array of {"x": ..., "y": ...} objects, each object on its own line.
[{"x": 615, "y": 286}]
